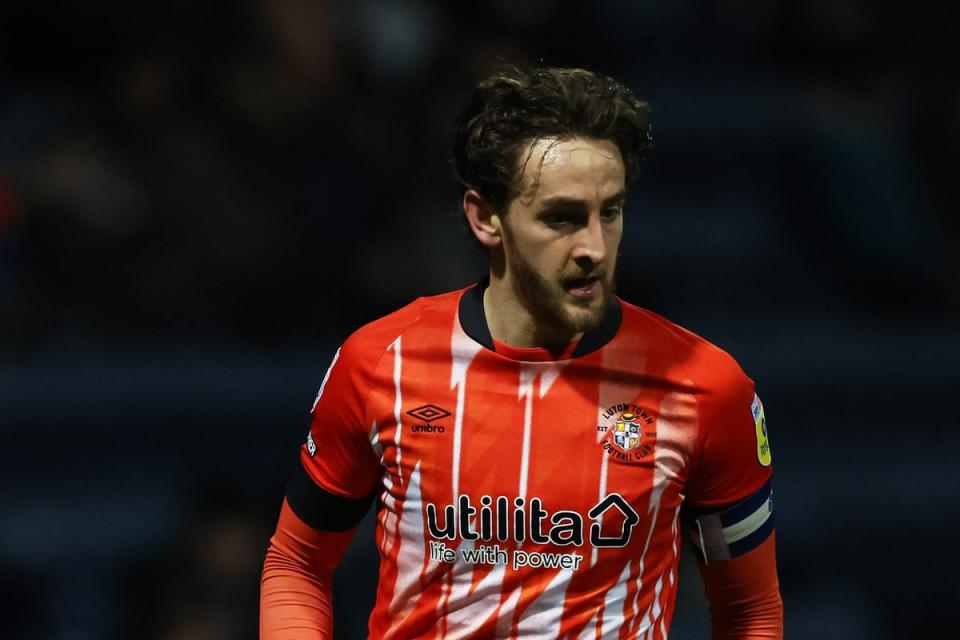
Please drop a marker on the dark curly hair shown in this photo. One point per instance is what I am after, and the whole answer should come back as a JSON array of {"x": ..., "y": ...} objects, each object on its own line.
[{"x": 516, "y": 106}]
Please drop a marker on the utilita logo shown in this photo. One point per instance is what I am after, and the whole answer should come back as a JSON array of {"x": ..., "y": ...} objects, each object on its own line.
[
  {"x": 504, "y": 519},
  {"x": 429, "y": 413}
]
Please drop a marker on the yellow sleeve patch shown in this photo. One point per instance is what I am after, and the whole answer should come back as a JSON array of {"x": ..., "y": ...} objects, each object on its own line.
[{"x": 760, "y": 422}]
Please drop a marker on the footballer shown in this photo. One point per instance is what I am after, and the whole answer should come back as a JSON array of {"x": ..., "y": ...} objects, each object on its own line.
[{"x": 537, "y": 448}]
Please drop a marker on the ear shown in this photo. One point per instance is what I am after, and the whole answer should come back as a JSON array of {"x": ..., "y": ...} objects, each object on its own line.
[{"x": 483, "y": 220}]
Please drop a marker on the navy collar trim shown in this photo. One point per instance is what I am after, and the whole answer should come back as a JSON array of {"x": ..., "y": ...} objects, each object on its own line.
[{"x": 473, "y": 320}]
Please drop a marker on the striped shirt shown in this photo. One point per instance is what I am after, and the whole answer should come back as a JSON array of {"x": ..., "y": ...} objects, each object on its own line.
[{"x": 524, "y": 496}]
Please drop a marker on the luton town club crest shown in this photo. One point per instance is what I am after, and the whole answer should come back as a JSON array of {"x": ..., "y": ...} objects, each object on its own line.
[
  {"x": 627, "y": 431},
  {"x": 627, "y": 434}
]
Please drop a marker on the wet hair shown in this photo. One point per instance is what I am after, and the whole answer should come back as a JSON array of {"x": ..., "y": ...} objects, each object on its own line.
[{"x": 515, "y": 107}]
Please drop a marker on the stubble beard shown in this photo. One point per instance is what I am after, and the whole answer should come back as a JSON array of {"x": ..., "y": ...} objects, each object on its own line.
[{"x": 546, "y": 300}]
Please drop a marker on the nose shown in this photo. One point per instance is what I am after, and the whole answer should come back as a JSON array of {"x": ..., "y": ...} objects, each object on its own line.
[{"x": 591, "y": 247}]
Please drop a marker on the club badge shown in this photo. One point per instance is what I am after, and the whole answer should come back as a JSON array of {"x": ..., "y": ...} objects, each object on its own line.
[{"x": 627, "y": 432}]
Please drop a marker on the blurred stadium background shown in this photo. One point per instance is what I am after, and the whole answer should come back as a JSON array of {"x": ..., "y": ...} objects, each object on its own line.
[{"x": 200, "y": 200}]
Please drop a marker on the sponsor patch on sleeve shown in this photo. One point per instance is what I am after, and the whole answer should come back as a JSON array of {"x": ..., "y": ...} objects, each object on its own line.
[
  {"x": 760, "y": 423},
  {"x": 734, "y": 531}
]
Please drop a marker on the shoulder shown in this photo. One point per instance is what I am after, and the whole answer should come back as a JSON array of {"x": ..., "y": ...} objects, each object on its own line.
[
  {"x": 706, "y": 365},
  {"x": 368, "y": 343},
  {"x": 355, "y": 366}
]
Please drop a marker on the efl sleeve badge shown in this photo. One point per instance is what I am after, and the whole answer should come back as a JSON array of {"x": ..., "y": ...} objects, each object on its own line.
[{"x": 760, "y": 423}]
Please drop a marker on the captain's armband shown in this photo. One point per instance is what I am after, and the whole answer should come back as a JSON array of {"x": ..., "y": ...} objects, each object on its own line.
[{"x": 734, "y": 531}]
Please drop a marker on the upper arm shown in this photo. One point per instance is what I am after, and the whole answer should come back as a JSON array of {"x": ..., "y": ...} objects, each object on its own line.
[
  {"x": 332, "y": 486},
  {"x": 339, "y": 473},
  {"x": 729, "y": 513},
  {"x": 307, "y": 546},
  {"x": 729, "y": 509}
]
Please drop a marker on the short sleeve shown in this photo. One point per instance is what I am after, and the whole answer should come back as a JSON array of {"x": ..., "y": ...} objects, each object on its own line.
[
  {"x": 729, "y": 494},
  {"x": 732, "y": 458},
  {"x": 338, "y": 455}
]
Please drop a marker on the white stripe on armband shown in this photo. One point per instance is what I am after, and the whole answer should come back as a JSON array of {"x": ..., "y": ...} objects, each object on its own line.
[{"x": 734, "y": 531}]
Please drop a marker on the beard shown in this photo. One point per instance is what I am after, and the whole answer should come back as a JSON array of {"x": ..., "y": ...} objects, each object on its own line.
[{"x": 548, "y": 301}]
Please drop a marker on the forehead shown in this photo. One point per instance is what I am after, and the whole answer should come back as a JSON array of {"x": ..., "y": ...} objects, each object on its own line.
[{"x": 579, "y": 168}]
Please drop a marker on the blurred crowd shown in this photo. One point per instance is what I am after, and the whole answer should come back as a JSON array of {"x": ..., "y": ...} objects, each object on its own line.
[{"x": 194, "y": 191}]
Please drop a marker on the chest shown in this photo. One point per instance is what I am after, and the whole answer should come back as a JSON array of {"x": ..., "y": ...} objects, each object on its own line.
[{"x": 509, "y": 446}]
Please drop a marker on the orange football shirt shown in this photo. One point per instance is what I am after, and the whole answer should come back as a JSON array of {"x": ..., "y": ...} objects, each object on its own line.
[{"x": 525, "y": 496}]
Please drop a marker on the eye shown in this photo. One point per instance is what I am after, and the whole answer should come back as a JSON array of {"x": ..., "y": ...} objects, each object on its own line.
[
  {"x": 611, "y": 213},
  {"x": 559, "y": 220}
]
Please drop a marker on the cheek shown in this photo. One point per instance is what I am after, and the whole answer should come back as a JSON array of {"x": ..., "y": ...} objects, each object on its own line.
[
  {"x": 541, "y": 262},
  {"x": 542, "y": 254},
  {"x": 555, "y": 259},
  {"x": 613, "y": 240}
]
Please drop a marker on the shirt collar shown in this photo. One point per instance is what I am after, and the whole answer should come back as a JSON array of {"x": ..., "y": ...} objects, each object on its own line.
[{"x": 473, "y": 320}]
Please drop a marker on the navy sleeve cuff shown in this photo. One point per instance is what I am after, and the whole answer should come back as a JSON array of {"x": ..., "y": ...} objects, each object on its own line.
[{"x": 321, "y": 509}]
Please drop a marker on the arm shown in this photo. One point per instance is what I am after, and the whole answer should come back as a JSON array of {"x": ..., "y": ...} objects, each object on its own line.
[
  {"x": 297, "y": 584},
  {"x": 330, "y": 490},
  {"x": 730, "y": 513},
  {"x": 744, "y": 595},
  {"x": 736, "y": 555}
]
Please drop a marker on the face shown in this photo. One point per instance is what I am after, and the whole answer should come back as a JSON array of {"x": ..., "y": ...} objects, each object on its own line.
[{"x": 561, "y": 232}]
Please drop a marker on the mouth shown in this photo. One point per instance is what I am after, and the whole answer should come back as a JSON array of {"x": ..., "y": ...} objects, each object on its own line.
[{"x": 582, "y": 287}]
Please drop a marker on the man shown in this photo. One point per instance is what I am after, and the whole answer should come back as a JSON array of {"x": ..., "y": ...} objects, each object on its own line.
[{"x": 533, "y": 442}]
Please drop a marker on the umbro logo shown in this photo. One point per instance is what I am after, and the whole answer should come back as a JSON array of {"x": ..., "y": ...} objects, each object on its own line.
[{"x": 429, "y": 413}]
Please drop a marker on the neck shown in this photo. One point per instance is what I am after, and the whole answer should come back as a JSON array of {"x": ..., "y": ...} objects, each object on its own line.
[{"x": 511, "y": 322}]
